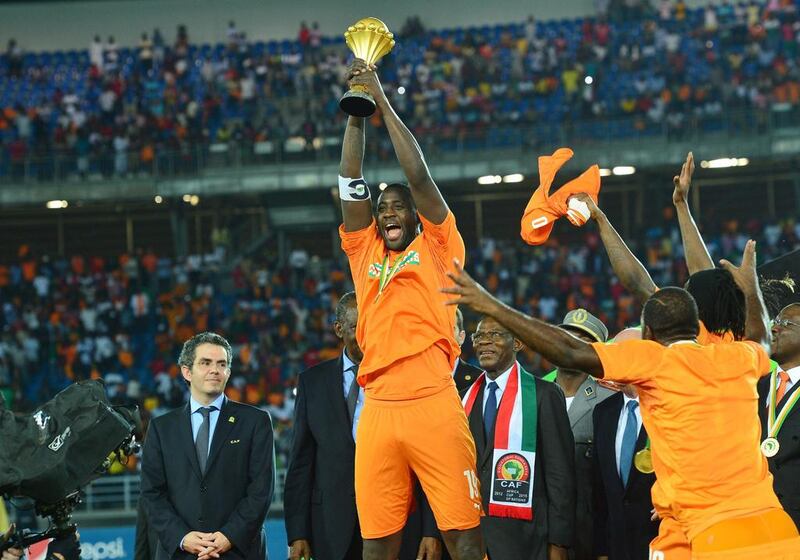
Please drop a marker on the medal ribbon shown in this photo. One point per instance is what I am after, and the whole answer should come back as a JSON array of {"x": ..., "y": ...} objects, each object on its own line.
[
  {"x": 774, "y": 423},
  {"x": 387, "y": 272}
]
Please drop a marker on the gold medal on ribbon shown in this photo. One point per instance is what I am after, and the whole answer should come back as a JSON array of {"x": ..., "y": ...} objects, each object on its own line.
[
  {"x": 770, "y": 447},
  {"x": 643, "y": 461}
]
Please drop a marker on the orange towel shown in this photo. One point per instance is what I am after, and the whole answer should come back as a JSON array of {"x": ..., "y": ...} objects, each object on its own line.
[{"x": 543, "y": 209}]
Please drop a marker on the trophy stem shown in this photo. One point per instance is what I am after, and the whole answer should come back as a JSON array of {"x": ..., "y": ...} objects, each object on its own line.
[{"x": 358, "y": 102}]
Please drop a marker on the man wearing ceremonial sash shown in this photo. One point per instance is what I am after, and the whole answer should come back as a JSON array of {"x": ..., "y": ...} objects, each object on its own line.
[
  {"x": 526, "y": 463},
  {"x": 780, "y": 422},
  {"x": 699, "y": 406}
]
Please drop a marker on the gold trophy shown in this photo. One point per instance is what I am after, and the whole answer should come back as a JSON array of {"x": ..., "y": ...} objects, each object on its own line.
[{"x": 370, "y": 40}]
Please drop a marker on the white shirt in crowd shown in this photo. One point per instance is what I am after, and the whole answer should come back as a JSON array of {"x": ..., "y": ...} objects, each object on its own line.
[{"x": 502, "y": 381}]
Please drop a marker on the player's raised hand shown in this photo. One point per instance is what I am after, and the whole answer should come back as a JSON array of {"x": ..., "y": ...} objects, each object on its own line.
[
  {"x": 367, "y": 77},
  {"x": 745, "y": 274},
  {"x": 470, "y": 293},
  {"x": 594, "y": 210},
  {"x": 683, "y": 181},
  {"x": 356, "y": 68}
]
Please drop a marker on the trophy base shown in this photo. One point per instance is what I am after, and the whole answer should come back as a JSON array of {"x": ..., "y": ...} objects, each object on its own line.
[{"x": 357, "y": 104}]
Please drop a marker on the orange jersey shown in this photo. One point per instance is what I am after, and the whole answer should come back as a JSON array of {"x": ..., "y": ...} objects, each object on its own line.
[
  {"x": 700, "y": 407},
  {"x": 405, "y": 323},
  {"x": 706, "y": 337}
]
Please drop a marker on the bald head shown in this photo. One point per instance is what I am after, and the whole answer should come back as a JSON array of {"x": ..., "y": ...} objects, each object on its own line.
[{"x": 632, "y": 333}]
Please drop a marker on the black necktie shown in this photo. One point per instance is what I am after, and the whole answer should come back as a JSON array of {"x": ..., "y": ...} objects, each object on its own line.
[
  {"x": 201, "y": 443},
  {"x": 490, "y": 410},
  {"x": 352, "y": 394}
]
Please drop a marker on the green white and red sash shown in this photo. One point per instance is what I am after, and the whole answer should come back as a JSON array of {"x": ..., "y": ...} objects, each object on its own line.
[
  {"x": 776, "y": 419},
  {"x": 511, "y": 492}
]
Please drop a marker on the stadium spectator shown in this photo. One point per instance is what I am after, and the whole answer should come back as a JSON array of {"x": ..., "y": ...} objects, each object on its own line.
[{"x": 723, "y": 67}]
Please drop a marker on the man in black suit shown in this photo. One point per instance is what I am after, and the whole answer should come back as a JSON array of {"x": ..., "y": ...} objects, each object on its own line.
[
  {"x": 207, "y": 468},
  {"x": 464, "y": 374},
  {"x": 782, "y": 387},
  {"x": 623, "y": 507},
  {"x": 551, "y": 531},
  {"x": 319, "y": 495}
]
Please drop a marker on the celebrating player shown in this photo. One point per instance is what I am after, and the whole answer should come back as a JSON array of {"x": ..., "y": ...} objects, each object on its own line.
[
  {"x": 412, "y": 423},
  {"x": 698, "y": 404}
]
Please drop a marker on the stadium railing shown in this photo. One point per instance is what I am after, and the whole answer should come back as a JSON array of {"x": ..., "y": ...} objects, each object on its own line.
[
  {"x": 117, "y": 496},
  {"x": 450, "y": 142}
]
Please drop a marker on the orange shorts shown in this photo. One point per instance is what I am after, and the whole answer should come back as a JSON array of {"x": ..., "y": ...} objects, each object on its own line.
[
  {"x": 428, "y": 437},
  {"x": 769, "y": 535},
  {"x": 671, "y": 542}
]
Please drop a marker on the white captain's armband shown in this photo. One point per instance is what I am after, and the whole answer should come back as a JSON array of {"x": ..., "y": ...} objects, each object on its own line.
[{"x": 354, "y": 190}]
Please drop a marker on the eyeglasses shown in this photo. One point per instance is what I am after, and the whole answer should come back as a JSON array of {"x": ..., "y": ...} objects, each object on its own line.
[
  {"x": 784, "y": 322},
  {"x": 489, "y": 336}
]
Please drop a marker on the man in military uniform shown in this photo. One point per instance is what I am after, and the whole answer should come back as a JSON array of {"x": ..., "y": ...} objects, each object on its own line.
[{"x": 582, "y": 394}]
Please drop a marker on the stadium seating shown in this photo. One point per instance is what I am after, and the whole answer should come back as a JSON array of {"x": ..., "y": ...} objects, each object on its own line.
[
  {"x": 486, "y": 86},
  {"x": 64, "y": 320}
]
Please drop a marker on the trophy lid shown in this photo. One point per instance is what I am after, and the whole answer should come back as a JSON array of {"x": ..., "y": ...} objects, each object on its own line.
[{"x": 370, "y": 39}]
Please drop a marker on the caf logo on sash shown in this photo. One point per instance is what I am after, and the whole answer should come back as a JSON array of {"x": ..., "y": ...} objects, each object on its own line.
[{"x": 512, "y": 479}]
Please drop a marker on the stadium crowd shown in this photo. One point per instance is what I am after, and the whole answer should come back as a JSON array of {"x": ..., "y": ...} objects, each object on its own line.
[
  {"x": 124, "y": 320},
  {"x": 162, "y": 105}
]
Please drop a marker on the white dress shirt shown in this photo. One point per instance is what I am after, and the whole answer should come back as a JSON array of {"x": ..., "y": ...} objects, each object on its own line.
[
  {"x": 348, "y": 378},
  {"x": 623, "y": 421},
  {"x": 794, "y": 378},
  {"x": 502, "y": 381},
  {"x": 213, "y": 416}
]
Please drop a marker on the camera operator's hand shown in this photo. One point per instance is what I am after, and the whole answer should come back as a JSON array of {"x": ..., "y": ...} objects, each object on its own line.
[
  {"x": 12, "y": 554},
  {"x": 65, "y": 548},
  {"x": 197, "y": 542}
]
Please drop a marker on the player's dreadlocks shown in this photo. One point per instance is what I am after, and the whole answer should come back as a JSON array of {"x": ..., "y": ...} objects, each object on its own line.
[
  {"x": 720, "y": 302},
  {"x": 777, "y": 293}
]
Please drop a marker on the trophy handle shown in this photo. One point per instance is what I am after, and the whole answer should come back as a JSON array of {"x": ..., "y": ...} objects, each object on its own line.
[{"x": 358, "y": 102}]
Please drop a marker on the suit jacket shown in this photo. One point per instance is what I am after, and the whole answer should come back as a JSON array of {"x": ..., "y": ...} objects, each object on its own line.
[
  {"x": 465, "y": 375},
  {"x": 623, "y": 529},
  {"x": 553, "y": 482},
  {"x": 232, "y": 497},
  {"x": 319, "y": 495},
  {"x": 589, "y": 395},
  {"x": 785, "y": 466},
  {"x": 146, "y": 539}
]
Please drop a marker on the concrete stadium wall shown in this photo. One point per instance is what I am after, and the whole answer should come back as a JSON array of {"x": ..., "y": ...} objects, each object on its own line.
[{"x": 40, "y": 26}]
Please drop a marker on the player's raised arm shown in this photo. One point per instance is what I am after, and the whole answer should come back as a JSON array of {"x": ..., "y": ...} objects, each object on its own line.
[
  {"x": 697, "y": 257},
  {"x": 555, "y": 344},
  {"x": 756, "y": 327},
  {"x": 630, "y": 271},
  {"x": 353, "y": 190},
  {"x": 426, "y": 194}
]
